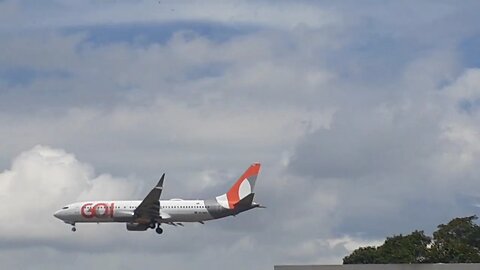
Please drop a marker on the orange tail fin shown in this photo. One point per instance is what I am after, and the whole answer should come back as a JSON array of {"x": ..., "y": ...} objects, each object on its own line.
[{"x": 242, "y": 188}]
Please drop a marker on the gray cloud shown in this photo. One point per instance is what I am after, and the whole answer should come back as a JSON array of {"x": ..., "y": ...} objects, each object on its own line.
[{"x": 398, "y": 158}]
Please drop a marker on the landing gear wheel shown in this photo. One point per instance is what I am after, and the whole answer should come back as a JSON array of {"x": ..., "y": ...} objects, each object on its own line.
[
  {"x": 152, "y": 225},
  {"x": 74, "y": 229},
  {"x": 159, "y": 230}
]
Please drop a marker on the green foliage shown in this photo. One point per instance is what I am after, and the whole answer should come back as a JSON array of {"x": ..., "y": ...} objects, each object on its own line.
[
  {"x": 363, "y": 255},
  {"x": 456, "y": 242},
  {"x": 410, "y": 248}
]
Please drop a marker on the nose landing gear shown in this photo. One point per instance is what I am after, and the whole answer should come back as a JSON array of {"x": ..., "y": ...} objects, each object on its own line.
[{"x": 74, "y": 229}]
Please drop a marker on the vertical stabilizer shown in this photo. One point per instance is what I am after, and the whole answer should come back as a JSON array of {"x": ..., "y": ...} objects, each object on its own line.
[{"x": 242, "y": 188}]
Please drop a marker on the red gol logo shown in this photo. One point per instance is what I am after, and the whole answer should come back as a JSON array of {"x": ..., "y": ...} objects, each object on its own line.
[{"x": 99, "y": 210}]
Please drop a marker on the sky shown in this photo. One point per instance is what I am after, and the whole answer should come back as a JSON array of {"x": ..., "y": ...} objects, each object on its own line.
[{"x": 364, "y": 115}]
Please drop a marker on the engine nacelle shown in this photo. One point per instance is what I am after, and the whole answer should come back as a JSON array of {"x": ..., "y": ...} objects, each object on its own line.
[{"x": 137, "y": 227}]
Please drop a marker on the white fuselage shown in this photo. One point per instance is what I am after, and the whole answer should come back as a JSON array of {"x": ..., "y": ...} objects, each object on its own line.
[{"x": 120, "y": 211}]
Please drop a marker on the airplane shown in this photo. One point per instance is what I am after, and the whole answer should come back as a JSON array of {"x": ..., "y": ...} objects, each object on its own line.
[{"x": 151, "y": 212}]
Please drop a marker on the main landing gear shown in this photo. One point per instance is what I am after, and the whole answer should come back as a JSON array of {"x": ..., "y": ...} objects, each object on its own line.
[
  {"x": 158, "y": 229},
  {"x": 73, "y": 228},
  {"x": 152, "y": 225}
]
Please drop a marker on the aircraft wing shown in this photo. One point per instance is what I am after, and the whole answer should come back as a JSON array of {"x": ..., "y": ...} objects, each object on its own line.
[{"x": 149, "y": 208}]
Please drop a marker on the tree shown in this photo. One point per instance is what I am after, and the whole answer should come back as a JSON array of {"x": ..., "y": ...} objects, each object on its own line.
[
  {"x": 410, "y": 248},
  {"x": 456, "y": 242},
  {"x": 363, "y": 255}
]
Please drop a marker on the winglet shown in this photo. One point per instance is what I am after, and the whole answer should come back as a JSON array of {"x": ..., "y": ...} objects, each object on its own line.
[{"x": 160, "y": 182}]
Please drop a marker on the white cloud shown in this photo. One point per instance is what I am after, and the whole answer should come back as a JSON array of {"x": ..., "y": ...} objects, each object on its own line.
[
  {"x": 249, "y": 108},
  {"x": 466, "y": 87},
  {"x": 42, "y": 180},
  {"x": 351, "y": 243},
  {"x": 324, "y": 251}
]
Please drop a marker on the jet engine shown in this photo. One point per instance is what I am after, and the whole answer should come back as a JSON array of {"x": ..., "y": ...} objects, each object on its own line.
[{"x": 137, "y": 227}]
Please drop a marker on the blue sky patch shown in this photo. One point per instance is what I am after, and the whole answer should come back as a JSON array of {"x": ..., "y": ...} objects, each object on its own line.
[
  {"x": 470, "y": 51},
  {"x": 469, "y": 106},
  {"x": 143, "y": 34},
  {"x": 25, "y": 76}
]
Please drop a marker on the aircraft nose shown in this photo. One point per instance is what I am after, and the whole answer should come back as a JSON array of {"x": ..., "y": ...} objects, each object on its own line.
[{"x": 57, "y": 214}]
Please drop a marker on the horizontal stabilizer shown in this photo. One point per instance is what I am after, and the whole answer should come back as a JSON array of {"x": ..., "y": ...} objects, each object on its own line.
[
  {"x": 174, "y": 224},
  {"x": 257, "y": 205},
  {"x": 164, "y": 215},
  {"x": 245, "y": 202}
]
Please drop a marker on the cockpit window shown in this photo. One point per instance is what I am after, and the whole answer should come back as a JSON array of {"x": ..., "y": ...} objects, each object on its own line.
[{"x": 66, "y": 207}]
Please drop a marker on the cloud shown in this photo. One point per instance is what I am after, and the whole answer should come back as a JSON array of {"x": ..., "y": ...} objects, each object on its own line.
[
  {"x": 43, "y": 179},
  {"x": 53, "y": 13},
  {"x": 352, "y": 243},
  {"x": 156, "y": 112},
  {"x": 398, "y": 157},
  {"x": 326, "y": 251},
  {"x": 465, "y": 88}
]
